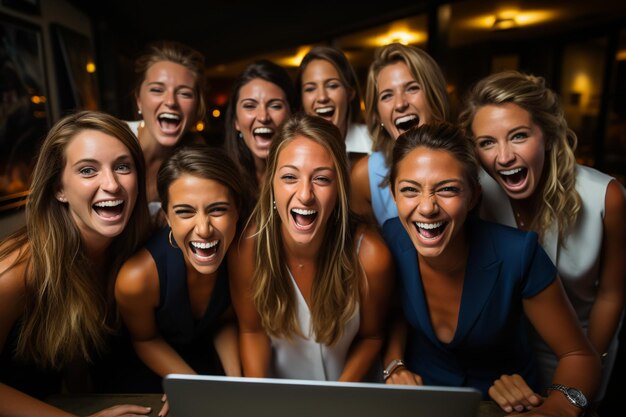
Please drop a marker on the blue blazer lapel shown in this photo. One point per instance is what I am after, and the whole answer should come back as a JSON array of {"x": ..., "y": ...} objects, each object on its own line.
[{"x": 481, "y": 275}]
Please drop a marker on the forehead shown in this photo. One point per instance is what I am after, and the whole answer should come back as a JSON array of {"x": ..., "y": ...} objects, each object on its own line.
[
  {"x": 320, "y": 67},
  {"x": 192, "y": 187},
  {"x": 259, "y": 87},
  {"x": 305, "y": 151},
  {"x": 425, "y": 163},
  {"x": 394, "y": 73},
  {"x": 94, "y": 144},
  {"x": 166, "y": 70},
  {"x": 494, "y": 115}
]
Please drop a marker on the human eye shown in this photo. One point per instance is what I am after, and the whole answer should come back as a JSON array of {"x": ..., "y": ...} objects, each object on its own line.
[
  {"x": 322, "y": 180},
  {"x": 385, "y": 96},
  {"x": 124, "y": 168},
  {"x": 308, "y": 88},
  {"x": 156, "y": 90},
  {"x": 218, "y": 210},
  {"x": 277, "y": 105},
  {"x": 409, "y": 191},
  {"x": 334, "y": 85},
  {"x": 518, "y": 136},
  {"x": 449, "y": 191},
  {"x": 184, "y": 212},
  {"x": 485, "y": 143},
  {"x": 288, "y": 178},
  {"x": 87, "y": 171},
  {"x": 413, "y": 87},
  {"x": 187, "y": 94}
]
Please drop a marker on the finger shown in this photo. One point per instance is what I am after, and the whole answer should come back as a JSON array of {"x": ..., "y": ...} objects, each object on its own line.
[
  {"x": 165, "y": 410},
  {"x": 164, "y": 398},
  {"x": 496, "y": 395},
  {"x": 126, "y": 409},
  {"x": 523, "y": 393}
]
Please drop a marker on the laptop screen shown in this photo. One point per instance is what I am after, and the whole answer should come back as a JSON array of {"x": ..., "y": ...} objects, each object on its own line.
[{"x": 219, "y": 396}]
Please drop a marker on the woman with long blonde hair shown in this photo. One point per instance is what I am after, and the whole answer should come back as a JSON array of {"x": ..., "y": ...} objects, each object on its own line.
[
  {"x": 310, "y": 287},
  {"x": 86, "y": 213},
  {"x": 534, "y": 183}
]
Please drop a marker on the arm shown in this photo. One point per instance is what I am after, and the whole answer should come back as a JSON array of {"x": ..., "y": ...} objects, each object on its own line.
[
  {"x": 609, "y": 303},
  {"x": 226, "y": 341},
  {"x": 13, "y": 402},
  {"x": 137, "y": 295},
  {"x": 254, "y": 344},
  {"x": 375, "y": 293},
  {"x": 578, "y": 364},
  {"x": 361, "y": 196}
]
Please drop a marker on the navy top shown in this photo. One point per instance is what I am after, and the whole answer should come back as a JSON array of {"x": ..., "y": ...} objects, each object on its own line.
[
  {"x": 192, "y": 338},
  {"x": 505, "y": 266}
]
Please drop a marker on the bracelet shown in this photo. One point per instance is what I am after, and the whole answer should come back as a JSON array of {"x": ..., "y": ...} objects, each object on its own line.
[{"x": 392, "y": 367}]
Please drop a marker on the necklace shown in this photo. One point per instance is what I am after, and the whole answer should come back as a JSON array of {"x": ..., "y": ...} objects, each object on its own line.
[{"x": 518, "y": 216}]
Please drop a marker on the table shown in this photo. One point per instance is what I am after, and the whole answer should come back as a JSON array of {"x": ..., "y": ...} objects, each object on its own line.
[{"x": 84, "y": 405}]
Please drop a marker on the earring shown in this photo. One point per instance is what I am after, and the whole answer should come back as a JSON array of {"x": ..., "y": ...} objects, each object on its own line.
[
  {"x": 274, "y": 204},
  {"x": 139, "y": 111},
  {"x": 170, "y": 239},
  {"x": 62, "y": 199},
  {"x": 382, "y": 125},
  {"x": 240, "y": 135}
]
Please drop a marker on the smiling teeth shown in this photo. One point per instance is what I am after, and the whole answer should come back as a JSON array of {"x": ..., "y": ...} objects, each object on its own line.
[
  {"x": 405, "y": 119},
  {"x": 511, "y": 171},
  {"x": 110, "y": 203},
  {"x": 324, "y": 110},
  {"x": 263, "y": 131},
  {"x": 169, "y": 116},
  {"x": 204, "y": 245},
  {"x": 304, "y": 212},
  {"x": 428, "y": 226}
]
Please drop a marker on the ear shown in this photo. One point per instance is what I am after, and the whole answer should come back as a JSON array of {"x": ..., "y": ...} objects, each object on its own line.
[
  {"x": 237, "y": 125},
  {"x": 60, "y": 196},
  {"x": 138, "y": 103}
]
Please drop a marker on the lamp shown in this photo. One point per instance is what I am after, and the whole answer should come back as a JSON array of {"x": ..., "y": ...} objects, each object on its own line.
[{"x": 503, "y": 23}]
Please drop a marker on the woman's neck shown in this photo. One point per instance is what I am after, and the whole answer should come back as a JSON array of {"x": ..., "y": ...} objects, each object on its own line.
[
  {"x": 260, "y": 166},
  {"x": 301, "y": 255},
  {"x": 452, "y": 260},
  {"x": 153, "y": 151}
]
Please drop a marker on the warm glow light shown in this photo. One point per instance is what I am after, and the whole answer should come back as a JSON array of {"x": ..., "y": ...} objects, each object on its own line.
[
  {"x": 90, "y": 67},
  {"x": 294, "y": 61},
  {"x": 621, "y": 55},
  {"x": 511, "y": 18},
  {"x": 200, "y": 126},
  {"x": 404, "y": 37},
  {"x": 216, "y": 113},
  {"x": 38, "y": 99}
]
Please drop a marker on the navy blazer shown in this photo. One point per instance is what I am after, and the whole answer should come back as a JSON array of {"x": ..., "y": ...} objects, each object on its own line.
[{"x": 505, "y": 265}]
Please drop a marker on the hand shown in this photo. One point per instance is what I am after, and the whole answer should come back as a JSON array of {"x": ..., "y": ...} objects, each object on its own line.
[
  {"x": 123, "y": 410},
  {"x": 402, "y": 376},
  {"x": 512, "y": 393},
  {"x": 166, "y": 407}
]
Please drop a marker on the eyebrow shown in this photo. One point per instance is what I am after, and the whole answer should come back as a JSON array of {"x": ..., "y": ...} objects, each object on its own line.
[
  {"x": 160, "y": 83},
  {"x": 438, "y": 184},
  {"x": 298, "y": 169},
  {"x": 95, "y": 161},
  {"x": 217, "y": 203}
]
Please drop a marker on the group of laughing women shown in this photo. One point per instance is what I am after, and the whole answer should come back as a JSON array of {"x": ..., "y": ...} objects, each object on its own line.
[{"x": 409, "y": 249}]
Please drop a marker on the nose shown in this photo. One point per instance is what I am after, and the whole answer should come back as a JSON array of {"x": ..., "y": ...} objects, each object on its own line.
[
  {"x": 428, "y": 206},
  {"x": 505, "y": 155},
  {"x": 263, "y": 115},
  {"x": 322, "y": 95},
  {"x": 204, "y": 228},
  {"x": 110, "y": 182},
  {"x": 170, "y": 98},
  {"x": 305, "y": 193},
  {"x": 401, "y": 102}
]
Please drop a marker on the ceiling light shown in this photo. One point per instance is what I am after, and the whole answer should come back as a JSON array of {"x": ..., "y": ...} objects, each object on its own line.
[{"x": 504, "y": 23}]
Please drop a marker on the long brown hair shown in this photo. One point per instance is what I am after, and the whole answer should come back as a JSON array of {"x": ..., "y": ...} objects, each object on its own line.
[
  {"x": 335, "y": 287},
  {"x": 560, "y": 200},
  {"x": 68, "y": 309}
]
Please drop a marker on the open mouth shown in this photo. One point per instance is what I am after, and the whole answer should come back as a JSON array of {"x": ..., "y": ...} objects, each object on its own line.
[
  {"x": 325, "y": 112},
  {"x": 264, "y": 133},
  {"x": 303, "y": 218},
  {"x": 404, "y": 123},
  {"x": 430, "y": 230},
  {"x": 169, "y": 122},
  {"x": 110, "y": 209},
  {"x": 514, "y": 177},
  {"x": 204, "y": 250}
]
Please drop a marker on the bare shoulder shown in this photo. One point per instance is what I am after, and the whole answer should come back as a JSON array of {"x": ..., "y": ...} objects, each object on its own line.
[
  {"x": 13, "y": 272},
  {"x": 137, "y": 276},
  {"x": 241, "y": 255},
  {"x": 615, "y": 200},
  {"x": 374, "y": 254},
  {"x": 359, "y": 175}
]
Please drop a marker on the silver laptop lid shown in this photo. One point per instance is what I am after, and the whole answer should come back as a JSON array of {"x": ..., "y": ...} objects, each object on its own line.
[{"x": 219, "y": 396}]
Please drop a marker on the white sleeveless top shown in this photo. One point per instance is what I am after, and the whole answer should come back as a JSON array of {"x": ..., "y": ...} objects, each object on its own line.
[
  {"x": 305, "y": 358},
  {"x": 153, "y": 206},
  {"x": 577, "y": 261}
]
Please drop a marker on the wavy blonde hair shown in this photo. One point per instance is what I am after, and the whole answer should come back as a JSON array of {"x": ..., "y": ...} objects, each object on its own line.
[
  {"x": 68, "y": 309},
  {"x": 335, "y": 288},
  {"x": 561, "y": 201},
  {"x": 427, "y": 74}
]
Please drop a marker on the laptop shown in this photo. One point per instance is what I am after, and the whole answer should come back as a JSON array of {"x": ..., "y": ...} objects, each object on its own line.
[{"x": 220, "y": 396}]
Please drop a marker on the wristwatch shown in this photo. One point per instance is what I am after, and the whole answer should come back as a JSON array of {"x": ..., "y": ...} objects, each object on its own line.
[
  {"x": 390, "y": 369},
  {"x": 575, "y": 396}
]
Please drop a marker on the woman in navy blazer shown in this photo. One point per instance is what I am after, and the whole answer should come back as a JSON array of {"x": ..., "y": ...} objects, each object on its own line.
[{"x": 470, "y": 288}]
